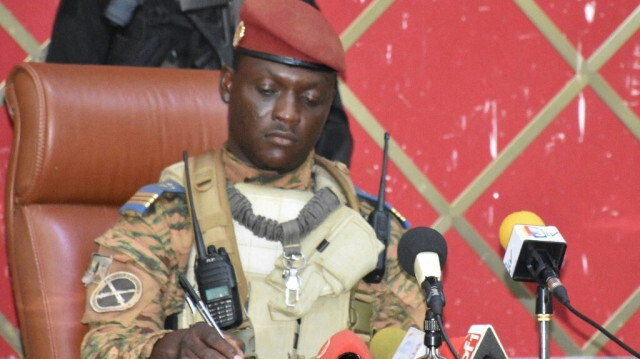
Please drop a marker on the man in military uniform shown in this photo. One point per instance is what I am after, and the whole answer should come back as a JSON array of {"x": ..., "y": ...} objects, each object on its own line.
[
  {"x": 289, "y": 219},
  {"x": 168, "y": 33}
]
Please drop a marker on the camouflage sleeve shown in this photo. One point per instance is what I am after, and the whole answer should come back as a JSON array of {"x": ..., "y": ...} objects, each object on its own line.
[
  {"x": 132, "y": 281},
  {"x": 399, "y": 300}
]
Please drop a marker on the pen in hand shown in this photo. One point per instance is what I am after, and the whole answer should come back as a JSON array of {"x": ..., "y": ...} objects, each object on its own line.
[{"x": 196, "y": 301}]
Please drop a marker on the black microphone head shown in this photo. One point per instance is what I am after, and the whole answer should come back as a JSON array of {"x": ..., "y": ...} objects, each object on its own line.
[{"x": 418, "y": 240}]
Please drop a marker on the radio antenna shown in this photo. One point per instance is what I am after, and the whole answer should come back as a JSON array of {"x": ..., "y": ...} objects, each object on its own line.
[
  {"x": 380, "y": 221},
  {"x": 202, "y": 253},
  {"x": 383, "y": 175}
]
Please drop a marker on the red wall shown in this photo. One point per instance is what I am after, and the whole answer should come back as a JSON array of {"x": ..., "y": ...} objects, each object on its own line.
[{"x": 458, "y": 85}]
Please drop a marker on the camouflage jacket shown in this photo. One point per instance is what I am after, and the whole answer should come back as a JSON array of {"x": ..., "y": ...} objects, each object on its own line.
[{"x": 155, "y": 247}]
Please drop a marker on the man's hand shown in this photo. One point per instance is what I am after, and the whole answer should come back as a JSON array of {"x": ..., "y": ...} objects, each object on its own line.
[{"x": 199, "y": 341}]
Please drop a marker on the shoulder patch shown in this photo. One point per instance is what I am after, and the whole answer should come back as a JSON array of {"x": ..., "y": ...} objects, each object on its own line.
[
  {"x": 403, "y": 221},
  {"x": 116, "y": 292},
  {"x": 140, "y": 202}
]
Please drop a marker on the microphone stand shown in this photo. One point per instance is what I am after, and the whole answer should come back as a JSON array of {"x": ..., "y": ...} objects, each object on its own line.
[
  {"x": 544, "y": 309},
  {"x": 432, "y": 337}
]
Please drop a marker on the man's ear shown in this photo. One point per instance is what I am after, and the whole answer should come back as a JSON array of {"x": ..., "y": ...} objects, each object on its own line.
[{"x": 226, "y": 80}]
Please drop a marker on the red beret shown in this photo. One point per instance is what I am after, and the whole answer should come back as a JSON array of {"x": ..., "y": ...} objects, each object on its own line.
[{"x": 288, "y": 31}]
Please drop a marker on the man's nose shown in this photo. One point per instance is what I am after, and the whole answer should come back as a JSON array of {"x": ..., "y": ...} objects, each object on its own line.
[{"x": 286, "y": 109}]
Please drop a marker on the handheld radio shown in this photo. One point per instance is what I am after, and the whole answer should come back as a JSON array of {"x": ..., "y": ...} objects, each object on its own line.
[
  {"x": 216, "y": 279},
  {"x": 380, "y": 220}
]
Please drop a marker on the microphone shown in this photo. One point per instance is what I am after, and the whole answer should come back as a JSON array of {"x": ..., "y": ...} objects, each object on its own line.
[
  {"x": 533, "y": 252},
  {"x": 344, "y": 345},
  {"x": 422, "y": 252}
]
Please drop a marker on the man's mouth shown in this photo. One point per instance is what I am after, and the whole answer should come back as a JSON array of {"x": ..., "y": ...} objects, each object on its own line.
[{"x": 282, "y": 138}]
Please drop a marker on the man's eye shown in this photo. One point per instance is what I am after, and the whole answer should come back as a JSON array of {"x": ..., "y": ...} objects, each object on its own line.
[
  {"x": 311, "y": 100},
  {"x": 266, "y": 90}
]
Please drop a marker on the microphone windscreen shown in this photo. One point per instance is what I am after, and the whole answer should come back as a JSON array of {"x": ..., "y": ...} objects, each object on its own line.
[
  {"x": 342, "y": 343},
  {"x": 385, "y": 342},
  {"x": 418, "y": 240},
  {"x": 521, "y": 217}
]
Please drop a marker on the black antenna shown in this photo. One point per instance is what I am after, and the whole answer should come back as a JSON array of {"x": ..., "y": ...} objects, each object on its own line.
[
  {"x": 202, "y": 253},
  {"x": 380, "y": 221},
  {"x": 383, "y": 175}
]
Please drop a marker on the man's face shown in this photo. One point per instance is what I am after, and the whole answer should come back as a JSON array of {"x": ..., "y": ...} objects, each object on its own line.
[{"x": 276, "y": 112}]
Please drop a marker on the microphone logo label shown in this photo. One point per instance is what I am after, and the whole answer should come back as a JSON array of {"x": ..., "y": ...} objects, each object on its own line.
[
  {"x": 470, "y": 344},
  {"x": 508, "y": 260},
  {"x": 535, "y": 232},
  {"x": 541, "y": 231}
]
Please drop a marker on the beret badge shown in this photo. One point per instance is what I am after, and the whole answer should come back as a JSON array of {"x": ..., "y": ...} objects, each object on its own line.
[{"x": 239, "y": 34}]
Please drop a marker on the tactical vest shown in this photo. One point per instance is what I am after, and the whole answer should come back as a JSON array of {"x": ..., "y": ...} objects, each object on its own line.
[{"x": 349, "y": 251}]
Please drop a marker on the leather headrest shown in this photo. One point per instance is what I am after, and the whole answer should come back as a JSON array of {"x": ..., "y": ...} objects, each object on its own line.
[{"x": 97, "y": 123}]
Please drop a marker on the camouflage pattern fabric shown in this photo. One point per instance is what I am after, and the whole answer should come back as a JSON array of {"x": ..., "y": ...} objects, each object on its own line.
[
  {"x": 155, "y": 248},
  {"x": 237, "y": 171}
]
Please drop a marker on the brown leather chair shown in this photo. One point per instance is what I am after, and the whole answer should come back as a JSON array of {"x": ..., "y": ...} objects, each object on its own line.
[{"x": 86, "y": 138}]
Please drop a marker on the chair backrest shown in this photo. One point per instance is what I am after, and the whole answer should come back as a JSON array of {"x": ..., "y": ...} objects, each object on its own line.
[{"x": 86, "y": 138}]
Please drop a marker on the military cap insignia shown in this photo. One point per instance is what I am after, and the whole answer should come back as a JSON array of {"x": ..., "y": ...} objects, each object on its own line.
[
  {"x": 239, "y": 34},
  {"x": 116, "y": 292},
  {"x": 144, "y": 198}
]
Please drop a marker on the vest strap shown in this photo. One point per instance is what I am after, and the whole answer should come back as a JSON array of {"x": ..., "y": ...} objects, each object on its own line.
[
  {"x": 339, "y": 171},
  {"x": 214, "y": 214}
]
